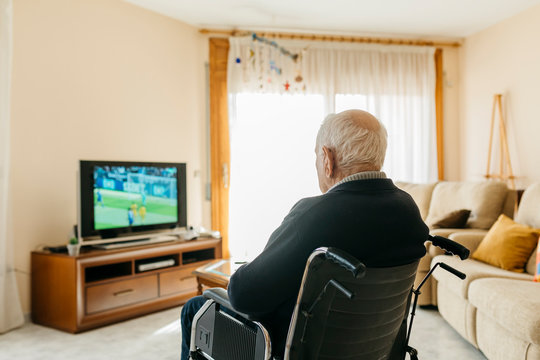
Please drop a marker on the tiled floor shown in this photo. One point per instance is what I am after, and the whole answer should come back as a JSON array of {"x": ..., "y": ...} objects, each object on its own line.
[{"x": 157, "y": 336}]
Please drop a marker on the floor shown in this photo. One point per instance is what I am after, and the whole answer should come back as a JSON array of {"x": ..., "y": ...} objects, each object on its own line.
[{"x": 156, "y": 336}]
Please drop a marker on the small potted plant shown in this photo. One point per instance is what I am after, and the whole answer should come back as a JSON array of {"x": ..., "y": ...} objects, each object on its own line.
[{"x": 73, "y": 246}]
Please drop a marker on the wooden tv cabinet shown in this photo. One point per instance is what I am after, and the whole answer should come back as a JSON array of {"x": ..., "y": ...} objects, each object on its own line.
[{"x": 99, "y": 287}]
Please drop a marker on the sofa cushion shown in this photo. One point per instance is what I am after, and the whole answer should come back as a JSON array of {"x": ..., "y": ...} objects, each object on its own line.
[
  {"x": 510, "y": 203},
  {"x": 421, "y": 194},
  {"x": 459, "y": 313},
  {"x": 529, "y": 214},
  {"x": 484, "y": 199},
  {"x": 425, "y": 262},
  {"x": 470, "y": 238},
  {"x": 473, "y": 269},
  {"x": 455, "y": 219},
  {"x": 507, "y": 245},
  {"x": 513, "y": 304},
  {"x": 499, "y": 343},
  {"x": 529, "y": 207},
  {"x": 447, "y": 232},
  {"x": 532, "y": 266}
]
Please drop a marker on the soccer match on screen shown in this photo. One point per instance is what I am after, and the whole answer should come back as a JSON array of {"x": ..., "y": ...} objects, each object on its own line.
[{"x": 134, "y": 196}]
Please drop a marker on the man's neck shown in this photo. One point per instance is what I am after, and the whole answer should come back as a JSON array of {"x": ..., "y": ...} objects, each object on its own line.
[
  {"x": 362, "y": 175},
  {"x": 340, "y": 175}
]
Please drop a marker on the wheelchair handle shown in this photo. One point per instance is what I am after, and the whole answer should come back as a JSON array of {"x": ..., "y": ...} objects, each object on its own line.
[
  {"x": 341, "y": 258},
  {"x": 450, "y": 246},
  {"x": 458, "y": 273}
]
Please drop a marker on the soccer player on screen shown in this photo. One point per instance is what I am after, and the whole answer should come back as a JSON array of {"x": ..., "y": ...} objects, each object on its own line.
[
  {"x": 142, "y": 213},
  {"x": 130, "y": 216},
  {"x": 143, "y": 196},
  {"x": 134, "y": 209},
  {"x": 100, "y": 198}
]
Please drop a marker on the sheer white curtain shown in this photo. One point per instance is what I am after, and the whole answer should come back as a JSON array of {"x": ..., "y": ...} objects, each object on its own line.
[
  {"x": 278, "y": 100},
  {"x": 272, "y": 163},
  {"x": 10, "y": 309}
]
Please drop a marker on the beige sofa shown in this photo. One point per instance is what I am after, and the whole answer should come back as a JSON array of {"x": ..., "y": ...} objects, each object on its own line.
[
  {"x": 486, "y": 200},
  {"x": 497, "y": 311}
]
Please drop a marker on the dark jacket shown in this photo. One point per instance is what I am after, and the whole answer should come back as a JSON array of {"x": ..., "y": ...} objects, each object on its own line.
[{"x": 372, "y": 220}]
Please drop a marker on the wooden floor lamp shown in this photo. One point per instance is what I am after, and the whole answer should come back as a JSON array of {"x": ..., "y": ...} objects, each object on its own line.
[{"x": 505, "y": 167}]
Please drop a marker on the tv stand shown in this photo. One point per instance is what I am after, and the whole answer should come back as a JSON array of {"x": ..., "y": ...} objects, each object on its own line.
[{"x": 99, "y": 287}]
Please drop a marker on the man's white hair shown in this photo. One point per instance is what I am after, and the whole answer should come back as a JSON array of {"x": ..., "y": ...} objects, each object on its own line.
[{"x": 354, "y": 145}]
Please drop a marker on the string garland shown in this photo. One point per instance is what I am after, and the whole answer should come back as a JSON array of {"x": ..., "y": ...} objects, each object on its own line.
[
  {"x": 281, "y": 49},
  {"x": 269, "y": 70}
]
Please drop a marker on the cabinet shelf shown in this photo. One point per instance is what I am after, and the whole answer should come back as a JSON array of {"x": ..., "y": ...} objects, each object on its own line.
[
  {"x": 99, "y": 287},
  {"x": 190, "y": 257},
  {"x": 109, "y": 271}
]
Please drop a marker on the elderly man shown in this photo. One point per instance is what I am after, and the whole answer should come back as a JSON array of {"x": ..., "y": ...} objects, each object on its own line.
[{"x": 360, "y": 211}]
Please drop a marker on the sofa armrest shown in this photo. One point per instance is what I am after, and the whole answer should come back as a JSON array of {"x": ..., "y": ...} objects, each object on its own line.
[{"x": 469, "y": 239}]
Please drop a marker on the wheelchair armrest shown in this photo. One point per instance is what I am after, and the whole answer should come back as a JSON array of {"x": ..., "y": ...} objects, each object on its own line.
[{"x": 220, "y": 296}]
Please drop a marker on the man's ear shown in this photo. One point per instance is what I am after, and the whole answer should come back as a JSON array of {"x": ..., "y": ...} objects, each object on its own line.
[{"x": 329, "y": 161}]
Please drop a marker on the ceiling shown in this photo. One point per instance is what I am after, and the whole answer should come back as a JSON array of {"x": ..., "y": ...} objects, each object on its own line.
[{"x": 428, "y": 18}]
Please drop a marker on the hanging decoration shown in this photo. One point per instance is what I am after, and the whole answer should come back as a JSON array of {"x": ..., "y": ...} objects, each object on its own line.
[
  {"x": 267, "y": 66},
  {"x": 284, "y": 51},
  {"x": 287, "y": 86},
  {"x": 274, "y": 67}
]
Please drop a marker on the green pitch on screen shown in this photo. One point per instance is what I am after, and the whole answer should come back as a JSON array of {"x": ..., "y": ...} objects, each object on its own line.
[{"x": 112, "y": 211}]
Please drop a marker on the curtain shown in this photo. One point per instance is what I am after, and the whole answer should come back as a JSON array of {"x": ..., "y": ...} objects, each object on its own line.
[
  {"x": 396, "y": 83},
  {"x": 10, "y": 310},
  {"x": 279, "y": 94}
]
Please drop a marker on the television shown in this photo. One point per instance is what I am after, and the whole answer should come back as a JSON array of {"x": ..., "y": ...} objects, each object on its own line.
[{"x": 124, "y": 200}]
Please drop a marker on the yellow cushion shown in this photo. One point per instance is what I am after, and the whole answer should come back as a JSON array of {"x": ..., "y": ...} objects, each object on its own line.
[{"x": 507, "y": 245}]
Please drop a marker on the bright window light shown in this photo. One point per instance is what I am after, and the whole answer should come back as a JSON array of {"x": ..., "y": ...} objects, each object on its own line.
[{"x": 272, "y": 163}]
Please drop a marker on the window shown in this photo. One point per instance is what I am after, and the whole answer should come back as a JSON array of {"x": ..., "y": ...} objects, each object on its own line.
[
  {"x": 272, "y": 163},
  {"x": 395, "y": 83}
]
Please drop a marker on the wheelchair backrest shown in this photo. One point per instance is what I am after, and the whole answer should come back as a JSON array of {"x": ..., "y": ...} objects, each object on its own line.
[{"x": 327, "y": 324}]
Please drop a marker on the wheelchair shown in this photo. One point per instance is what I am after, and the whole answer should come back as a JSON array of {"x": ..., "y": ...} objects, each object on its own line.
[{"x": 343, "y": 311}]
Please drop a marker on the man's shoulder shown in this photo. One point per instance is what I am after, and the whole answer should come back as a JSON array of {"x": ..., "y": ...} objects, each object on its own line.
[
  {"x": 307, "y": 203},
  {"x": 336, "y": 195}
]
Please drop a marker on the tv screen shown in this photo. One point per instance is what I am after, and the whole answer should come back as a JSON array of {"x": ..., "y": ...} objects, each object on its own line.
[{"x": 126, "y": 198}]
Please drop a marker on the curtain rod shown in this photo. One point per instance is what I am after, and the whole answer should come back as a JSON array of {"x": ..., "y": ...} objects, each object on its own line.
[{"x": 335, "y": 38}]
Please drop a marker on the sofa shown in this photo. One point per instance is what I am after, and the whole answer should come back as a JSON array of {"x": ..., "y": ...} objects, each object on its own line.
[
  {"x": 486, "y": 200},
  {"x": 494, "y": 309}
]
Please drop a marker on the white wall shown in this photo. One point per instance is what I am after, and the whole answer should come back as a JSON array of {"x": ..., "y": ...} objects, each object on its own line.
[
  {"x": 504, "y": 58},
  {"x": 98, "y": 80}
]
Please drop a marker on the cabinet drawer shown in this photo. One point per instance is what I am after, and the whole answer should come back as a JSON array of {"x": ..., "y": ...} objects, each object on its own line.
[
  {"x": 120, "y": 293},
  {"x": 177, "y": 281}
]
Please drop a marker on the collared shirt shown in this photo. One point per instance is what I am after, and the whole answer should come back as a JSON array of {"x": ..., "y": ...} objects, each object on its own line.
[{"x": 363, "y": 175}]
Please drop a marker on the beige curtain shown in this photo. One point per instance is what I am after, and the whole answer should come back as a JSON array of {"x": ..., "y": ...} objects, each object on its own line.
[{"x": 10, "y": 309}]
